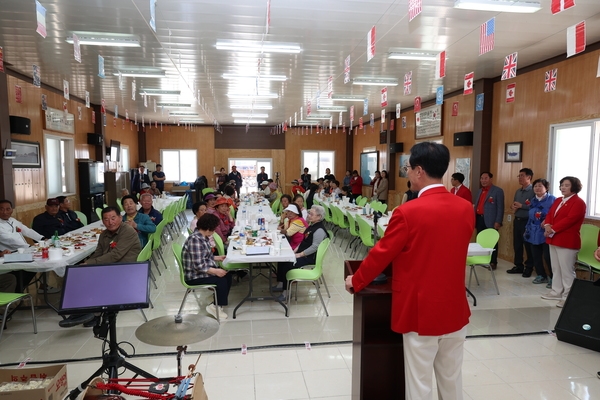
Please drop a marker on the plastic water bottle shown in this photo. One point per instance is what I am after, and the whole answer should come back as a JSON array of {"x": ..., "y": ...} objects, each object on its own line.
[
  {"x": 261, "y": 218},
  {"x": 244, "y": 218}
]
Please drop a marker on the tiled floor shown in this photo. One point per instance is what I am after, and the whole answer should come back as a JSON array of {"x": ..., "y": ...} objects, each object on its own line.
[{"x": 500, "y": 367}]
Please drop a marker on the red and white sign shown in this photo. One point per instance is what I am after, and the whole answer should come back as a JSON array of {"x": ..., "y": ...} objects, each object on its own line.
[
  {"x": 469, "y": 83},
  {"x": 510, "y": 92},
  {"x": 407, "y": 83},
  {"x": 384, "y": 102},
  {"x": 417, "y": 106},
  {"x": 414, "y": 8},
  {"x": 18, "y": 94},
  {"x": 561, "y": 5},
  {"x": 371, "y": 44},
  {"x": 351, "y": 113},
  {"x": 360, "y": 123},
  {"x": 455, "y": 109},
  {"x": 440, "y": 65},
  {"x": 576, "y": 39},
  {"x": 102, "y": 106}
]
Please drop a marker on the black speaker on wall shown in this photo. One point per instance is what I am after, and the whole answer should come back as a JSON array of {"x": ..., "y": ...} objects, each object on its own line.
[
  {"x": 95, "y": 139},
  {"x": 463, "y": 139},
  {"x": 579, "y": 320},
  {"x": 20, "y": 125},
  {"x": 396, "y": 148}
]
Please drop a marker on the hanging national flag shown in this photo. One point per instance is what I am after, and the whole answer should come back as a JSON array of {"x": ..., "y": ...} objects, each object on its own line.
[
  {"x": 398, "y": 110},
  {"x": 37, "y": 80},
  {"x": 561, "y": 5},
  {"x": 41, "y": 19},
  {"x": 152, "y": 22},
  {"x": 486, "y": 36},
  {"x": 308, "y": 108},
  {"x": 469, "y": 83},
  {"x": 407, "y": 83},
  {"x": 372, "y": 120},
  {"x": 510, "y": 92},
  {"x": 418, "y": 119},
  {"x": 365, "y": 106},
  {"x": 351, "y": 113},
  {"x": 1, "y": 60},
  {"x": 133, "y": 88},
  {"x": 66, "y": 89},
  {"x": 101, "y": 67},
  {"x": 93, "y": 117},
  {"x": 360, "y": 123},
  {"x": 382, "y": 118},
  {"x": 384, "y": 101},
  {"x": 18, "y": 94},
  {"x": 440, "y": 65},
  {"x": 417, "y": 106},
  {"x": 347, "y": 70},
  {"x": 439, "y": 95},
  {"x": 371, "y": 44},
  {"x": 329, "y": 87},
  {"x": 268, "y": 24},
  {"x": 550, "y": 80},
  {"x": 414, "y": 8},
  {"x": 76, "y": 48},
  {"x": 576, "y": 39},
  {"x": 509, "y": 70},
  {"x": 116, "y": 111},
  {"x": 455, "y": 109}
]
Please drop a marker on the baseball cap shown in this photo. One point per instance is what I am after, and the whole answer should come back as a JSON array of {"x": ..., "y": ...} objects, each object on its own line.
[
  {"x": 221, "y": 200},
  {"x": 292, "y": 209},
  {"x": 52, "y": 202},
  {"x": 145, "y": 186},
  {"x": 264, "y": 183},
  {"x": 209, "y": 196}
]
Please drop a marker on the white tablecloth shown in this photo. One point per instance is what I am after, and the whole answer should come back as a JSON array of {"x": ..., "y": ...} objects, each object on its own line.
[{"x": 161, "y": 204}]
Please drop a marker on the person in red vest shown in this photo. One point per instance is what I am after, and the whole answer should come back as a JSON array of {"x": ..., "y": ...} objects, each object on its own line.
[{"x": 356, "y": 184}]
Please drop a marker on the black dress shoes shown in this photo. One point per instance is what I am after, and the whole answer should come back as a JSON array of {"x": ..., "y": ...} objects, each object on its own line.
[
  {"x": 493, "y": 265},
  {"x": 527, "y": 273},
  {"x": 516, "y": 270},
  {"x": 76, "y": 319}
]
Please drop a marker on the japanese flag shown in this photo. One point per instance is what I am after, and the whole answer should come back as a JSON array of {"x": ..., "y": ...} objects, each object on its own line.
[
  {"x": 440, "y": 65},
  {"x": 576, "y": 39}
]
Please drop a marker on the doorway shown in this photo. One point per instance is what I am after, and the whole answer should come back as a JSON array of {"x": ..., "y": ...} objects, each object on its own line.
[{"x": 249, "y": 168}]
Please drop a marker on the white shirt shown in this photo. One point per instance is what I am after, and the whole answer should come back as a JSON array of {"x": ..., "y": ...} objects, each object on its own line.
[
  {"x": 429, "y": 187},
  {"x": 11, "y": 239}
]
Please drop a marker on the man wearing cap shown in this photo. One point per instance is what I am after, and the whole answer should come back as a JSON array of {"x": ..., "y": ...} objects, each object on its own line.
[
  {"x": 138, "y": 179},
  {"x": 296, "y": 188},
  {"x": 49, "y": 221},
  {"x": 264, "y": 189},
  {"x": 69, "y": 217},
  {"x": 262, "y": 176},
  {"x": 234, "y": 175}
]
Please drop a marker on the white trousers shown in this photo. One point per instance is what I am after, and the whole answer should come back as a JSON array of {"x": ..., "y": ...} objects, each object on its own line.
[
  {"x": 563, "y": 269},
  {"x": 424, "y": 355}
]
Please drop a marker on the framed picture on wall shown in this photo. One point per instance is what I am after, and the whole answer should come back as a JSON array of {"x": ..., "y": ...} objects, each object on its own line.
[
  {"x": 27, "y": 154},
  {"x": 513, "y": 151}
]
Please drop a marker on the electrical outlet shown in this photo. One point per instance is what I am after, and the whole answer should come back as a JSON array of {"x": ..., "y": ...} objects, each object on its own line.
[{"x": 509, "y": 217}]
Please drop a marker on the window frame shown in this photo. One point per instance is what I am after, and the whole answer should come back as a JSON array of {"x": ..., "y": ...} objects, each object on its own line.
[
  {"x": 180, "y": 167},
  {"x": 71, "y": 187},
  {"x": 302, "y": 152}
]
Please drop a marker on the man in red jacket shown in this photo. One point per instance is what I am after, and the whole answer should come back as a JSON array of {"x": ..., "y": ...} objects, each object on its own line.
[
  {"x": 426, "y": 238},
  {"x": 459, "y": 189}
]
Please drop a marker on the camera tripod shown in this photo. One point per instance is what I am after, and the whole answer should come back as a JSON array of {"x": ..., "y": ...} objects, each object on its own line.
[{"x": 112, "y": 360}]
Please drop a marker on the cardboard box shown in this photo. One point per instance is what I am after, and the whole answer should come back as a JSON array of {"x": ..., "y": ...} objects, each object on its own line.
[{"x": 56, "y": 390}]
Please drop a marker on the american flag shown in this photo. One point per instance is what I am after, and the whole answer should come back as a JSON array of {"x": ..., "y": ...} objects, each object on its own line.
[
  {"x": 550, "y": 81},
  {"x": 486, "y": 36},
  {"x": 407, "y": 83},
  {"x": 509, "y": 70},
  {"x": 414, "y": 8}
]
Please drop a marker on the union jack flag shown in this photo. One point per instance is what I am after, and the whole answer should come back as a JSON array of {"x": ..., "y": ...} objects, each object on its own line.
[
  {"x": 407, "y": 83},
  {"x": 509, "y": 70},
  {"x": 550, "y": 81},
  {"x": 486, "y": 36}
]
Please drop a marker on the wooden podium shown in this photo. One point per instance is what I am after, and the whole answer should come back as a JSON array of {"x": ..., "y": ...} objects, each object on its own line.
[{"x": 377, "y": 353}]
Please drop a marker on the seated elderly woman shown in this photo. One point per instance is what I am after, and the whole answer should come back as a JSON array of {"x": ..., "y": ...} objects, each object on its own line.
[
  {"x": 139, "y": 221},
  {"x": 306, "y": 253},
  {"x": 296, "y": 225},
  {"x": 199, "y": 263}
]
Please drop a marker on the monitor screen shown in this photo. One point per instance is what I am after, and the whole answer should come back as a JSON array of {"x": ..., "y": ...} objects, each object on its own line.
[{"x": 99, "y": 288}]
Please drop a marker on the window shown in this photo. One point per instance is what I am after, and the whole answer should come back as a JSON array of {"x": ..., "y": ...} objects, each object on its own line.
[
  {"x": 575, "y": 151},
  {"x": 317, "y": 162},
  {"x": 179, "y": 165},
  {"x": 124, "y": 163},
  {"x": 60, "y": 174}
]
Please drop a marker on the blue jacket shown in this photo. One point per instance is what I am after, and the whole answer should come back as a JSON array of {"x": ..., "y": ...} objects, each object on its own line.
[
  {"x": 144, "y": 226},
  {"x": 534, "y": 232}
]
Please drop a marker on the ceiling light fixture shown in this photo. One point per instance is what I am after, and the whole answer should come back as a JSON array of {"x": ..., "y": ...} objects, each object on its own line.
[
  {"x": 249, "y": 115},
  {"x": 249, "y": 121},
  {"x": 141, "y": 73},
  {"x": 396, "y": 53},
  {"x": 511, "y": 6},
  {"x": 333, "y": 108},
  {"x": 260, "y": 47},
  {"x": 159, "y": 92},
  {"x": 250, "y": 107},
  {"x": 375, "y": 81},
  {"x": 191, "y": 121},
  {"x": 318, "y": 116},
  {"x": 173, "y": 104},
  {"x": 307, "y": 123},
  {"x": 348, "y": 97},
  {"x": 252, "y": 96},
  {"x": 182, "y": 113},
  {"x": 105, "y": 39},
  {"x": 279, "y": 78}
]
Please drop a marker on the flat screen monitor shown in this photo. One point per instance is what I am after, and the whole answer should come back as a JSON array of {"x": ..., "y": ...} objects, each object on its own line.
[{"x": 100, "y": 288}]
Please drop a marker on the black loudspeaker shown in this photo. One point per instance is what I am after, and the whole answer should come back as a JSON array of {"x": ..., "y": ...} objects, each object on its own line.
[
  {"x": 20, "y": 125},
  {"x": 94, "y": 138},
  {"x": 396, "y": 148},
  {"x": 463, "y": 139},
  {"x": 579, "y": 320}
]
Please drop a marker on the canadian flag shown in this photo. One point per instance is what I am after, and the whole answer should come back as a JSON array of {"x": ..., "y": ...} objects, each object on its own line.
[
  {"x": 576, "y": 39},
  {"x": 561, "y": 5},
  {"x": 440, "y": 65},
  {"x": 510, "y": 92},
  {"x": 469, "y": 83}
]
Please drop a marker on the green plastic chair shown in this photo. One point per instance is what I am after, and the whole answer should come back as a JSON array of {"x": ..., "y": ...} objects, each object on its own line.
[
  {"x": 82, "y": 217},
  {"x": 487, "y": 239},
  {"x": 145, "y": 255},
  {"x": 309, "y": 275},
  {"x": 276, "y": 206},
  {"x": 589, "y": 244},
  {"x": 362, "y": 202},
  {"x": 328, "y": 218},
  {"x": 177, "y": 251},
  {"x": 120, "y": 204},
  {"x": 365, "y": 232},
  {"x": 9, "y": 299},
  {"x": 221, "y": 252},
  {"x": 206, "y": 191},
  {"x": 357, "y": 199},
  {"x": 353, "y": 231},
  {"x": 99, "y": 213},
  {"x": 339, "y": 220}
]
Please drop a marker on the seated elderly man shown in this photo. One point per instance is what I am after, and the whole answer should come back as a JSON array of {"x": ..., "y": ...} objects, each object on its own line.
[
  {"x": 68, "y": 216},
  {"x": 118, "y": 243},
  {"x": 306, "y": 252},
  {"x": 49, "y": 221},
  {"x": 264, "y": 189},
  {"x": 154, "y": 214},
  {"x": 137, "y": 220}
]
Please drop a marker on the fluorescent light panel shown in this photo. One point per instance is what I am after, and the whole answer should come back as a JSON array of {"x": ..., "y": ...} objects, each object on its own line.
[
  {"x": 159, "y": 92},
  {"x": 514, "y": 6},
  {"x": 350, "y": 97},
  {"x": 307, "y": 123},
  {"x": 173, "y": 104},
  {"x": 249, "y": 121},
  {"x": 105, "y": 39},
  {"x": 318, "y": 116},
  {"x": 250, "y": 107},
  {"x": 333, "y": 108},
  {"x": 260, "y": 47},
  {"x": 252, "y": 96},
  {"x": 141, "y": 73},
  {"x": 279, "y": 78},
  {"x": 396, "y": 53},
  {"x": 375, "y": 81},
  {"x": 183, "y": 113},
  {"x": 249, "y": 115}
]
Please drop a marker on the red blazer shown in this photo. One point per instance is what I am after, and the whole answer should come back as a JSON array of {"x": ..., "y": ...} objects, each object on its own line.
[
  {"x": 463, "y": 192},
  {"x": 427, "y": 246},
  {"x": 566, "y": 223}
]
